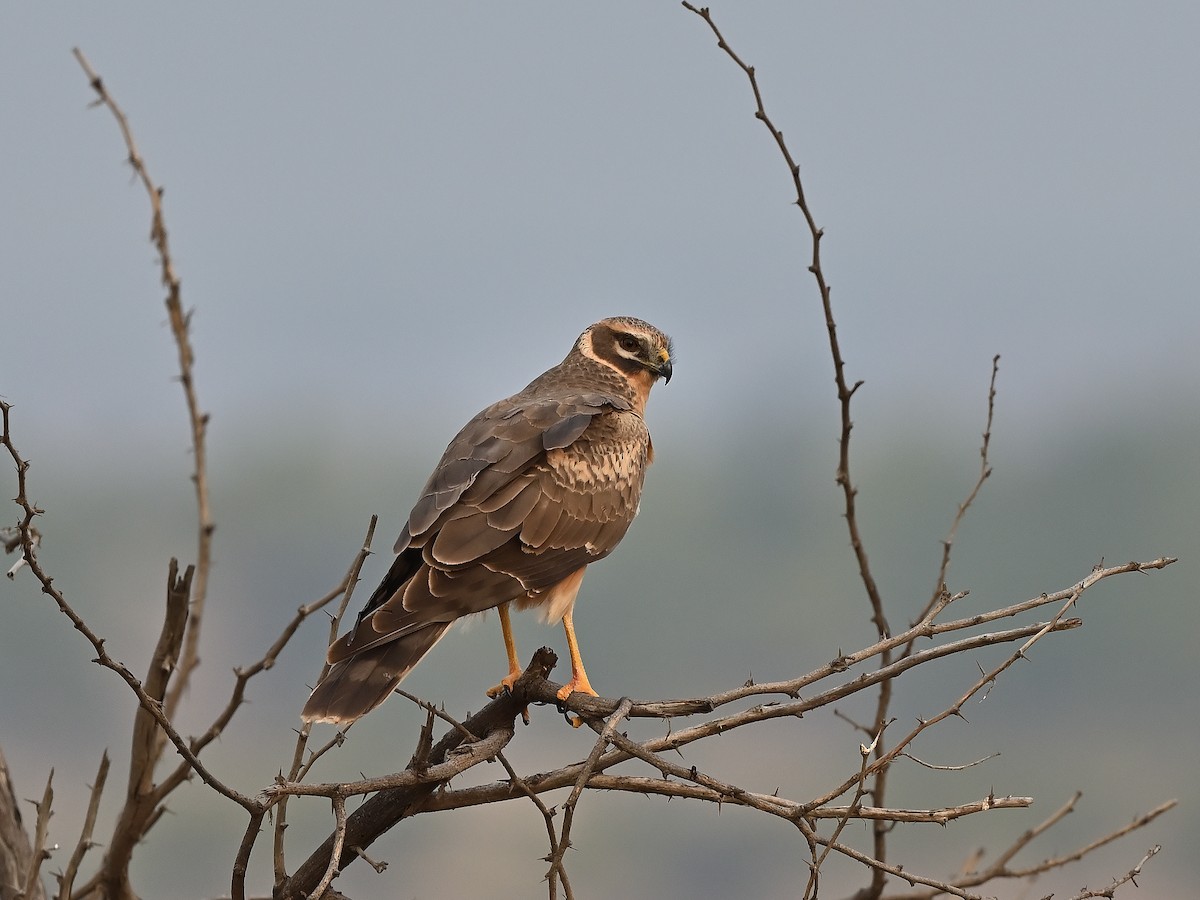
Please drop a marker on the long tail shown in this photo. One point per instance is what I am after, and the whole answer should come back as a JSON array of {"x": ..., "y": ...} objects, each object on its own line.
[{"x": 356, "y": 685}]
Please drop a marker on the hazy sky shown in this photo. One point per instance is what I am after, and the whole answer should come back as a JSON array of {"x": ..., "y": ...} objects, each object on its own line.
[
  {"x": 383, "y": 210},
  {"x": 388, "y": 215}
]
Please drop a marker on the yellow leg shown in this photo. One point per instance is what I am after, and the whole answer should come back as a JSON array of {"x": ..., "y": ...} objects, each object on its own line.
[
  {"x": 510, "y": 647},
  {"x": 579, "y": 679}
]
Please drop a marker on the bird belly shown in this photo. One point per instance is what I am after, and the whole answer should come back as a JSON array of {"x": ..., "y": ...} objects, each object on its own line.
[{"x": 556, "y": 602}]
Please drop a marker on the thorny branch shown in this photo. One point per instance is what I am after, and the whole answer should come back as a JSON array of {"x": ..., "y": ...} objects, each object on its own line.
[
  {"x": 66, "y": 881},
  {"x": 41, "y": 829},
  {"x": 557, "y": 870},
  {"x": 299, "y": 767},
  {"x": 146, "y": 701},
  {"x": 845, "y": 392},
  {"x": 881, "y": 768},
  {"x": 1127, "y": 878},
  {"x": 180, "y": 328},
  {"x": 144, "y": 802},
  {"x": 973, "y": 876},
  {"x": 174, "y": 662},
  {"x": 399, "y": 800},
  {"x": 176, "y": 655},
  {"x": 16, "y": 849},
  {"x": 678, "y": 780},
  {"x": 985, "y": 471},
  {"x": 381, "y": 812}
]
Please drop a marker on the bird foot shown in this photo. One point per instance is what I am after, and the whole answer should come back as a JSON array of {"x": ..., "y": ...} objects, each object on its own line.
[
  {"x": 506, "y": 684},
  {"x": 505, "y": 687},
  {"x": 577, "y": 684}
]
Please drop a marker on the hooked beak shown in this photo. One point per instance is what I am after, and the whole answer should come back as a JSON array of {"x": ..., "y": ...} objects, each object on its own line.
[{"x": 664, "y": 367}]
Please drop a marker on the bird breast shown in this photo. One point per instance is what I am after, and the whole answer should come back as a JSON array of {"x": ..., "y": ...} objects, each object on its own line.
[{"x": 607, "y": 462}]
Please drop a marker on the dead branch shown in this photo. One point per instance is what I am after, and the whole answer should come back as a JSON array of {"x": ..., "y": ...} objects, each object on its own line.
[
  {"x": 339, "y": 841},
  {"x": 16, "y": 853},
  {"x": 141, "y": 798},
  {"x": 557, "y": 869},
  {"x": 66, "y": 881},
  {"x": 516, "y": 780},
  {"x": 844, "y": 391},
  {"x": 1127, "y": 878},
  {"x": 381, "y": 812},
  {"x": 466, "y": 756},
  {"x": 843, "y": 478},
  {"x": 973, "y": 876},
  {"x": 789, "y": 809},
  {"x": 299, "y": 769},
  {"x": 410, "y": 795},
  {"x": 147, "y": 702},
  {"x": 985, "y": 471},
  {"x": 41, "y": 830},
  {"x": 198, "y": 420},
  {"x": 1139, "y": 821}
]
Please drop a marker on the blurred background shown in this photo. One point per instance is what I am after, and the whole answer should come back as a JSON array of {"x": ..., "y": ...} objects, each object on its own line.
[{"x": 387, "y": 216}]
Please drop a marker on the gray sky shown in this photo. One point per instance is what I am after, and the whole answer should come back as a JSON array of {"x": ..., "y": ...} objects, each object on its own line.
[
  {"x": 388, "y": 215},
  {"x": 371, "y": 205}
]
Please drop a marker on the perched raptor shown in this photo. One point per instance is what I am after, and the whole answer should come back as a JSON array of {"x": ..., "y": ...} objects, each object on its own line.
[{"x": 530, "y": 492}]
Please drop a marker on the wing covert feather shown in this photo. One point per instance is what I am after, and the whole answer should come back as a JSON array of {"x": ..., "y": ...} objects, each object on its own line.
[{"x": 524, "y": 496}]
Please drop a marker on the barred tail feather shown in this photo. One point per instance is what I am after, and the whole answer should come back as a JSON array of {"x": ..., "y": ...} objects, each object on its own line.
[{"x": 356, "y": 685}]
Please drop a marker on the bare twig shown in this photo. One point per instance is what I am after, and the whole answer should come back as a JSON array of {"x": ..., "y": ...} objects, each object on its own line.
[
  {"x": 241, "y": 862},
  {"x": 514, "y": 779},
  {"x": 66, "y": 881},
  {"x": 599, "y": 707},
  {"x": 41, "y": 830},
  {"x": 712, "y": 790},
  {"x": 381, "y": 812},
  {"x": 548, "y": 818},
  {"x": 557, "y": 869},
  {"x": 860, "y": 788},
  {"x": 1000, "y": 864},
  {"x": 973, "y": 876},
  {"x": 339, "y": 840},
  {"x": 468, "y": 755},
  {"x": 298, "y": 769},
  {"x": 142, "y": 806},
  {"x": 638, "y": 784},
  {"x": 594, "y": 707},
  {"x": 198, "y": 420},
  {"x": 1128, "y": 877},
  {"x": 845, "y": 392},
  {"x": 15, "y": 849},
  {"x": 1139, "y": 821},
  {"x": 985, "y": 471},
  {"x": 150, "y": 704},
  {"x": 959, "y": 768},
  {"x": 142, "y": 798},
  {"x": 884, "y": 760}
]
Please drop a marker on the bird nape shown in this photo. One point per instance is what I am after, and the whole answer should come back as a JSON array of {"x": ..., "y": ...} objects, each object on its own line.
[{"x": 528, "y": 494}]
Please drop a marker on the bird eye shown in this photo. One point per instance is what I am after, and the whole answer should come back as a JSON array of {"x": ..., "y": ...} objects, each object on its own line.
[{"x": 629, "y": 343}]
